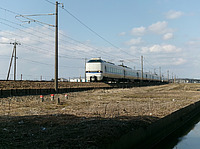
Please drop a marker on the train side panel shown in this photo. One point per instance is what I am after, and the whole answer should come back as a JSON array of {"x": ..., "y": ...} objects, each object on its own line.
[{"x": 99, "y": 70}]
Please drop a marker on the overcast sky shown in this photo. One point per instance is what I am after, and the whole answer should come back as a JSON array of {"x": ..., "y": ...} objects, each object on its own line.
[{"x": 165, "y": 32}]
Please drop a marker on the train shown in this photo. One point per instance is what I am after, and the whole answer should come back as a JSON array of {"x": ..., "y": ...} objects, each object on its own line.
[{"x": 98, "y": 70}]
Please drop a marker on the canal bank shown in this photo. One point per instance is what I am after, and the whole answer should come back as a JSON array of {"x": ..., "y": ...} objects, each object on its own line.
[
  {"x": 158, "y": 131},
  {"x": 186, "y": 137}
]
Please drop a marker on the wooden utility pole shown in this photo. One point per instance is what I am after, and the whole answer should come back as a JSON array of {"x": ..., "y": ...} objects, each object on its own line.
[
  {"x": 56, "y": 48},
  {"x": 160, "y": 74},
  {"x": 142, "y": 66},
  {"x": 14, "y": 54},
  {"x": 175, "y": 79},
  {"x": 168, "y": 75},
  {"x": 85, "y": 69},
  {"x": 15, "y": 61}
]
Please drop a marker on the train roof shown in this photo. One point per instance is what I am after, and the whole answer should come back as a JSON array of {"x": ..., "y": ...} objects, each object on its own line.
[
  {"x": 125, "y": 66},
  {"x": 95, "y": 60}
]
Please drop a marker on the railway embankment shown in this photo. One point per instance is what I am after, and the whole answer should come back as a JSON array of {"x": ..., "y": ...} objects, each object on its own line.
[
  {"x": 20, "y": 88},
  {"x": 97, "y": 118}
]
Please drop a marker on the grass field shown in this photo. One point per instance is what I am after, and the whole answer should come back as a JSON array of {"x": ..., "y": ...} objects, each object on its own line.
[{"x": 87, "y": 119}]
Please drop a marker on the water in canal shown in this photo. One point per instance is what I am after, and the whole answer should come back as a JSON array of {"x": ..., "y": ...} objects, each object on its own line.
[
  {"x": 190, "y": 140},
  {"x": 187, "y": 137}
]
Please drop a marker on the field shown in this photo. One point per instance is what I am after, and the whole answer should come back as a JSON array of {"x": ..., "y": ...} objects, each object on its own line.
[{"x": 87, "y": 119}]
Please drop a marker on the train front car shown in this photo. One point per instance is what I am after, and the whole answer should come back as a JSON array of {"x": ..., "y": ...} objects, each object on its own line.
[{"x": 94, "y": 70}]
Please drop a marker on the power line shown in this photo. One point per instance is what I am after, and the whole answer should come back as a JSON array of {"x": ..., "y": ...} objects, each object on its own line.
[
  {"x": 90, "y": 29},
  {"x": 20, "y": 30},
  {"x": 42, "y": 63},
  {"x": 9, "y": 11},
  {"x": 50, "y": 2},
  {"x": 33, "y": 20},
  {"x": 94, "y": 31},
  {"x": 25, "y": 27},
  {"x": 89, "y": 46},
  {"x": 23, "y": 30},
  {"x": 36, "y": 31},
  {"x": 44, "y": 51},
  {"x": 96, "y": 49}
]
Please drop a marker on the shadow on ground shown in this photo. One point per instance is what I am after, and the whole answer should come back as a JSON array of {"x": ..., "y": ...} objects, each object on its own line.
[{"x": 66, "y": 131}]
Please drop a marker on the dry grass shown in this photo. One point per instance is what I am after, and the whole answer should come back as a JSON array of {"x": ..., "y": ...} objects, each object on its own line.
[
  {"x": 105, "y": 113},
  {"x": 4, "y": 85}
]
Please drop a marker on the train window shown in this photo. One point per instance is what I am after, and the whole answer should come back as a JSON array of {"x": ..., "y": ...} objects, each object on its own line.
[
  {"x": 137, "y": 74},
  {"x": 94, "y": 61},
  {"x": 94, "y": 71}
]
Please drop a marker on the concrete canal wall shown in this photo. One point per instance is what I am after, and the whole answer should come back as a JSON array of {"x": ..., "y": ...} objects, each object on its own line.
[{"x": 146, "y": 138}]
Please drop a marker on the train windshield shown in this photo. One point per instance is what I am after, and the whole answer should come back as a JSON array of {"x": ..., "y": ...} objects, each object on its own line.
[{"x": 94, "y": 61}]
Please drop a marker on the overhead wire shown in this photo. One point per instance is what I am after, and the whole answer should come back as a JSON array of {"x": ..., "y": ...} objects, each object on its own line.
[
  {"x": 50, "y": 2},
  {"x": 94, "y": 32},
  {"x": 95, "y": 49},
  {"x": 42, "y": 50},
  {"x": 90, "y": 29},
  {"x": 63, "y": 47},
  {"x": 33, "y": 61},
  {"x": 24, "y": 31},
  {"x": 37, "y": 31},
  {"x": 78, "y": 21},
  {"x": 38, "y": 62}
]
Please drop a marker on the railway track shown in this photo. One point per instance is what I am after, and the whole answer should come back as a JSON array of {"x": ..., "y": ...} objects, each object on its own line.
[{"x": 20, "y": 88}]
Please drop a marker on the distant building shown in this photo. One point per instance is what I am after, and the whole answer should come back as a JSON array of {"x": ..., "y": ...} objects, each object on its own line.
[
  {"x": 76, "y": 80},
  {"x": 62, "y": 80},
  {"x": 186, "y": 80}
]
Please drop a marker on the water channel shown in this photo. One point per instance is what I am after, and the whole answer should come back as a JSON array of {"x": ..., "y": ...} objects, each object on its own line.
[{"x": 187, "y": 137}]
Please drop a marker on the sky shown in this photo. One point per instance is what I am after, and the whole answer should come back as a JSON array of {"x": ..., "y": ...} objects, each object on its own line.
[{"x": 165, "y": 32}]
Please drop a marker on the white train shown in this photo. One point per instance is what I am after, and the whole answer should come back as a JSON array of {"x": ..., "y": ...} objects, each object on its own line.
[{"x": 100, "y": 70}]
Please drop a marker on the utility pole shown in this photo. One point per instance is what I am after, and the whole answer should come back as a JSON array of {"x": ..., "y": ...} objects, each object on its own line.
[
  {"x": 175, "y": 79},
  {"x": 85, "y": 68},
  {"x": 14, "y": 54},
  {"x": 56, "y": 36},
  {"x": 160, "y": 74},
  {"x": 142, "y": 66},
  {"x": 15, "y": 62},
  {"x": 168, "y": 75},
  {"x": 56, "y": 48}
]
